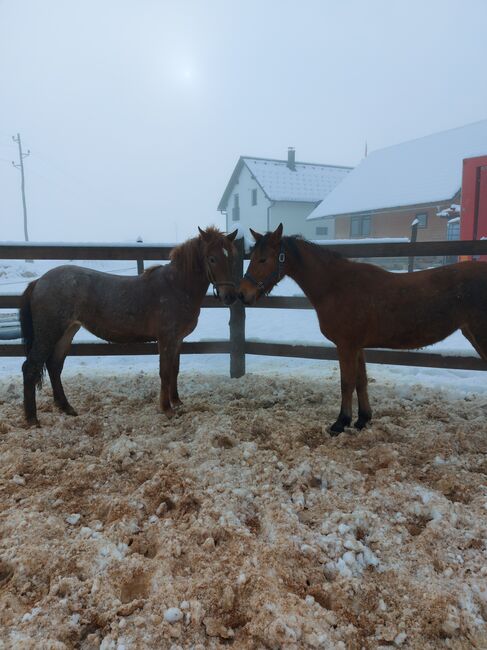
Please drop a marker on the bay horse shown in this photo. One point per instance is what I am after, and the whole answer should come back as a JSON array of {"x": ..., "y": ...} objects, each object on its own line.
[
  {"x": 364, "y": 306},
  {"x": 162, "y": 304}
]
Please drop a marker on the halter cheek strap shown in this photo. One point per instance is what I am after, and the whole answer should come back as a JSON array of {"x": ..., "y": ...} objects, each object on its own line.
[
  {"x": 215, "y": 284},
  {"x": 273, "y": 278}
]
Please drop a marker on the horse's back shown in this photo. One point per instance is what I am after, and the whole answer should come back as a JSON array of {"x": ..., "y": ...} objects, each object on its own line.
[{"x": 101, "y": 302}]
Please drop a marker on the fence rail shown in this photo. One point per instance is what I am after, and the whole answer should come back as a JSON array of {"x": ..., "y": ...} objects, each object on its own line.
[
  {"x": 20, "y": 251},
  {"x": 237, "y": 346}
]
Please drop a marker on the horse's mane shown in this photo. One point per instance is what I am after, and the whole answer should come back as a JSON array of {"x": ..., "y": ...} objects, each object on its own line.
[
  {"x": 293, "y": 243},
  {"x": 151, "y": 270},
  {"x": 188, "y": 256}
]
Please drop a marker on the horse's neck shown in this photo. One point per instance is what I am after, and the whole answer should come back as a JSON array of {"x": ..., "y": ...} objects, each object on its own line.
[
  {"x": 314, "y": 274},
  {"x": 195, "y": 285}
]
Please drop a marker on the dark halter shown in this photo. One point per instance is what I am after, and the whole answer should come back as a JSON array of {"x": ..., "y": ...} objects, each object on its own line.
[
  {"x": 273, "y": 278},
  {"x": 215, "y": 284}
]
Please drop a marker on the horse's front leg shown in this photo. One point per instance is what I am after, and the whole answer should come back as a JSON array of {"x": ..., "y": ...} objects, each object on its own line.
[
  {"x": 348, "y": 358},
  {"x": 167, "y": 353},
  {"x": 364, "y": 410}
]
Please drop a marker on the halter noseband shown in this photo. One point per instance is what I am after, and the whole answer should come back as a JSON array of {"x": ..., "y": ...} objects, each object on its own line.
[{"x": 273, "y": 278}]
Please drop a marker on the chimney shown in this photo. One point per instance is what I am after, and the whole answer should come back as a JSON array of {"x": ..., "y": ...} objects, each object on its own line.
[{"x": 291, "y": 159}]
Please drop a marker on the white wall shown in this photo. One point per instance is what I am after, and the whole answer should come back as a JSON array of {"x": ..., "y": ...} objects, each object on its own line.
[
  {"x": 293, "y": 216},
  {"x": 251, "y": 216}
]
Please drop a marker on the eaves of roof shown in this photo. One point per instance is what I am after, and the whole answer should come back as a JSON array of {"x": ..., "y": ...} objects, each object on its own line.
[{"x": 394, "y": 208}]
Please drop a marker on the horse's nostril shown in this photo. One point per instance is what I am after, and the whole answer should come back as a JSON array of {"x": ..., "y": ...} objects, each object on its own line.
[{"x": 241, "y": 296}]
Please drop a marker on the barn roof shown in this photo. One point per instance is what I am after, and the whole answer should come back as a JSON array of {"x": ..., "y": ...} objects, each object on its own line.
[
  {"x": 310, "y": 182},
  {"x": 416, "y": 172}
]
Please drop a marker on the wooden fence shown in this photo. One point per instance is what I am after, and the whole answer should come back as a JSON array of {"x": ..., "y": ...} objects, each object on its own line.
[{"x": 237, "y": 346}]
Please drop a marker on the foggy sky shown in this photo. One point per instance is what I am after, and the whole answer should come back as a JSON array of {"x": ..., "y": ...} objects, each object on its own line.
[{"x": 136, "y": 112}]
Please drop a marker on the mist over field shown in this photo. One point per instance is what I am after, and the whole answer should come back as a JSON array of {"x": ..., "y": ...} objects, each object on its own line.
[{"x": 136, "y": 112}]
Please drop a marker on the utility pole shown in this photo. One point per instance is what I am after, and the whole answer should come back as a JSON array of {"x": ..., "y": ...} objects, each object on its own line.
[{"x": 20, "y": 165}]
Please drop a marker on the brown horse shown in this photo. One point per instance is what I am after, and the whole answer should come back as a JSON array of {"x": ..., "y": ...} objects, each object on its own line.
[
  {"x": 162, "y": 304},
  {"x": 363, "y": 306}
]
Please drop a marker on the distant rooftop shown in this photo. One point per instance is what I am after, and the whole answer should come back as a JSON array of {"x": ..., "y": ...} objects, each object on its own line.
[
  {"x": 416, "y": 172},
  {"x": 308, "y": 182}
]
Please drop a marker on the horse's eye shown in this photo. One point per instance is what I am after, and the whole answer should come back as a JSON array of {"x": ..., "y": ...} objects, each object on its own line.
[
  {"x": 262, "y": 260},
  {"x": 212, "y": 260}
]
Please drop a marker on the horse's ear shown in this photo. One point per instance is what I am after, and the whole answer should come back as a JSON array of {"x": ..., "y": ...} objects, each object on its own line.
[
  {"x": 232, "y": 235},
  {"x": 275, "y": 237},
  {"x": 203, "y": 234},
  {"x": 255, "y": 235}
]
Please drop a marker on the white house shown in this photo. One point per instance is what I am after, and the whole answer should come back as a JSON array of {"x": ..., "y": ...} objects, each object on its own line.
[{"x": 263, "y": 192}]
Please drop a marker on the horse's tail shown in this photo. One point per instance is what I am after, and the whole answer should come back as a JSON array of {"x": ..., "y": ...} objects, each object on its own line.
[
  {"x": 35, "y": 370},
  {"x": 25, "y": 315}
]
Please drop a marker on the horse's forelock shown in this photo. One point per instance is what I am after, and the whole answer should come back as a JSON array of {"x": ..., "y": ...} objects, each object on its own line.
[
  {"x": 188, "y": 256},
  {"x": 218, "y": 238},
  {"x": 290, "y": 243}
]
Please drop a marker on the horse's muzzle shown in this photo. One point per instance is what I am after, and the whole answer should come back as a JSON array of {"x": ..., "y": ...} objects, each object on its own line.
[
  {"x": 228, "y": 296},
  {"x": 247, "y": 299}
]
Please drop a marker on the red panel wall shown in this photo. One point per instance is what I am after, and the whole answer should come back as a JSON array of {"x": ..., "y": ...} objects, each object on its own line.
[{"x": 473, "y": 224}]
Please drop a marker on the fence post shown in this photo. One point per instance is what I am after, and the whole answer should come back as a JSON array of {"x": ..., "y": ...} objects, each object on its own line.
[
  {"x": 414, "y": 236},
  {"x": 140, "y": 261},
  {"x": 237, "y": 320}
]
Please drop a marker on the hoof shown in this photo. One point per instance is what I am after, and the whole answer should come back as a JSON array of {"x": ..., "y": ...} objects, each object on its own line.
[
  {"x": 67, "y": 408},
  {"x": 176, "y": 403},
  {"x": 169, "y": 413},
  {"x": 336, "y": 429},
  {"x": 360, "y": 424},
  {"x": 33, "y": 422},
  {"x": 70, "y": 411},
  {"x": 364, "y": 417},
  {"x": 339, "y": 426}
]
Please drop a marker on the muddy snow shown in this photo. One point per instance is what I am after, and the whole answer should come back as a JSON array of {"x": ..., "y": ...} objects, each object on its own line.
[{"x": 241, "y": 522}]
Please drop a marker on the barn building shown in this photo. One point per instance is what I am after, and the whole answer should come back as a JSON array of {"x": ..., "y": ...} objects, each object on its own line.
[
  {"x": 263, "y": 192},
  {"x": 419, "y": 179}
]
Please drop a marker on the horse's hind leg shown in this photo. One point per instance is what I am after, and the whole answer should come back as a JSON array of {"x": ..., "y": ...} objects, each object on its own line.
[
  {"x": 55, "y": 364},
  {"x": 364, "y": 410},
  {"x": 476, "y": 333},
  {"x": 348, "y": 378},
  {"x": 32, "y": 369}
]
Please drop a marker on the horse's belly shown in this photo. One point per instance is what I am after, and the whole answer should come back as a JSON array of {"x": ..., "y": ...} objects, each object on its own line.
[
  {"x": 415, "y": 336},
  {"x": 118, "y": 334}
]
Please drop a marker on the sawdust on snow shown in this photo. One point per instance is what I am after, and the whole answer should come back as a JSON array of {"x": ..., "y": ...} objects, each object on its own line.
[{"x": 241, "y": 522}]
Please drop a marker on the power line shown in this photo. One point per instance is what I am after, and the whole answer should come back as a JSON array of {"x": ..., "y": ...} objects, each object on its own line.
[{"x": 20, "y": 165}]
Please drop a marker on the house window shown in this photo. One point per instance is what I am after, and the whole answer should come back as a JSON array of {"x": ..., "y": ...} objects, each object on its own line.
[
  {"x": 422, "y": 218},
  {"x": 236, "y": 208},
  {"x": 254, "y": 197},
  {"x": 322, "y": 230},
  {"x": 360, "y": 226},
  {"x": 453, "y": 230}
]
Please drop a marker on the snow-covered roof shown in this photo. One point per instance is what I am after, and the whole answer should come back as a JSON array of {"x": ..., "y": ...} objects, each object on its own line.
[
  {"x": 416, "y": 172},
  {"x": 308, "y": 182}
]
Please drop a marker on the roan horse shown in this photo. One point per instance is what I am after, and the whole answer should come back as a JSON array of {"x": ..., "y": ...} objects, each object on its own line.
[
  {"x": 363, "y": 306},
  {"x": 161, "y": 304}
]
